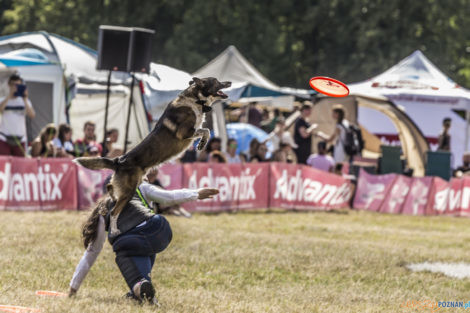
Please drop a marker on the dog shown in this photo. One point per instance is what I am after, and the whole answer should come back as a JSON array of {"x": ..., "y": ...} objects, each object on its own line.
[{"x": 174, "y": 132}]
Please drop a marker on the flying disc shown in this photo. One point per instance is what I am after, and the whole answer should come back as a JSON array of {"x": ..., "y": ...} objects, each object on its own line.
[
  {"x": 329, "y": 86},
  {"x": 48, "y": 293},
  {"x": 18, "y": 309}
]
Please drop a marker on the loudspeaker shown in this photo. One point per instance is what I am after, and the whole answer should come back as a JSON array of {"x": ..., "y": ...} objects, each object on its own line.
[
  {"x": 140, "y": 50},
  {"x": 113, "y": 48}
]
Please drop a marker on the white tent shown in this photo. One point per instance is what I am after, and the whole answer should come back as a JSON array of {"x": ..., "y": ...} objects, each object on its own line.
[
  {"x": 425, "y": 93},
  {"x": 247, "y": 81}
]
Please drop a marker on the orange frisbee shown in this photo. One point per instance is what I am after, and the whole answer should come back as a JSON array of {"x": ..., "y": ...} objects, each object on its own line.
[
  {"x": 329, "y": 86},
  {"x": 49, "y": 293}
]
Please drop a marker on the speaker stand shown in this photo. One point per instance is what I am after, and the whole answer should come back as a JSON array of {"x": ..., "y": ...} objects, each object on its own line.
[
  {"x": 131, "y": 102},
  {"x": 108, "y": 90}
]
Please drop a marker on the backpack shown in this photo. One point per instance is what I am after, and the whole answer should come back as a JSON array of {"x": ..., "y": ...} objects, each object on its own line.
[{"x": 353, "y": 143}]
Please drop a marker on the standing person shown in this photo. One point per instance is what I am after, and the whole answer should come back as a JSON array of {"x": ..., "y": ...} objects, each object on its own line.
[
  {"x": 13, "y": 109},
  {"x": 83, "y": 145},
  {"x": 63, "y": 141},
  {"x": 144, "y": 234},
  {"x": 254, "y": 115},
  {"x": 303, "y": 133},
  {"x": 231, "y": 154},
  {"x": 444, "y": 136},
  {"x": 339, "y": 135},
  {"x": 321, "y": 160}
]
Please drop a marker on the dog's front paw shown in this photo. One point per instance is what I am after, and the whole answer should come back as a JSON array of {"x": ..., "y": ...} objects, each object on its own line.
[
  {"x": 202, "y": 143},
  {"x": 113, "y": 228},
  {"x": 114, "y": 232}
]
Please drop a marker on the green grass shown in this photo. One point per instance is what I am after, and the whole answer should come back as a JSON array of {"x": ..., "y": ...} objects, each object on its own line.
[{"x": 247, "y": 262}]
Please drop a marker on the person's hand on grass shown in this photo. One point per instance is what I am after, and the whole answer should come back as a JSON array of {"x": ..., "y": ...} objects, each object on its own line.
[
  {"x": 72, "y": 292},
  {"x": 207, "y": 193}
]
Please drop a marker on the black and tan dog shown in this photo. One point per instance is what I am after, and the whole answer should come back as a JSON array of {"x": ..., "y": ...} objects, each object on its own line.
[{"x": 175, "y": 131}]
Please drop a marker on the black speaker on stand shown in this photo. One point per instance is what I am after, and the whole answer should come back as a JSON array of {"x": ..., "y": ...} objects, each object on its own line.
[{"x": 123, "y": 49}]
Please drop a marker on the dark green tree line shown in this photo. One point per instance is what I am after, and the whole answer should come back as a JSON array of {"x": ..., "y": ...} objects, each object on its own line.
[{"x": 287, "y": 40}]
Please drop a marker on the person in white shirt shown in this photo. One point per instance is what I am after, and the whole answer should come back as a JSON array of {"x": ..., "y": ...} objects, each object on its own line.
[
  {"x": 13, "y": 109},
  {"x": 231, "y": 154},
  {"x": 138, "y": 244},
  {"x": 339, "y": 135}
]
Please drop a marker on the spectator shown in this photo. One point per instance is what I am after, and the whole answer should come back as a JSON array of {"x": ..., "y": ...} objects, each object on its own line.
[
  {"x": 63, "y": 141},
  {"x": 260, "y": 155},
  {"x": 444, "y": 136},
  {"x": 217, "y": 157},
  {"x": 108, "y": 149},
  {"x": 189, "y": 156},
  {"x": 13, "y": 109},
  {"x": 464, "y": 169},
  {"x": 321, "y": 160},
  {"x": 83, "y": 146},
  {"x": 303, "y": 133},
  {"x": 214, "y": 144},
  {"x": 42, "y": 145},
  {"x": 288, "y": 147},
  {"x": 270, "y": 124},
  {"x": 254, "y": 144},
  {"x": 276, "y": 134},
  {"x": 280, "y": 155},
  {"x": 231, "y": 155},
  {"x": 93, "y": 151},
  {"x": 243, "y": 158},
  {"x": 338, "y": 169},
  {"x": 254, "y": 115},
  {"x": 339, "y": 135}
]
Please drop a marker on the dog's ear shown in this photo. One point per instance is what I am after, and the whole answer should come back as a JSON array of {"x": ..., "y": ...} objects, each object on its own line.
[{"x": 197, "y": 81}]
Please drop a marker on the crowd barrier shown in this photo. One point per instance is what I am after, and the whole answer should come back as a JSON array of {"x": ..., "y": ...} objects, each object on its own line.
[
  {"x": 398, "y": 194},
  {"x": 59, "y": 184}
]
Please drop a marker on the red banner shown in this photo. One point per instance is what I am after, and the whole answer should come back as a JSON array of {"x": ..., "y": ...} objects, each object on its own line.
[
  {"x": 305, "y": 188},
  {"x": 171, "y": 176},
  {"x": 418, "y": 196},
  {"x": 394, "y": 200},
  {"x": 371, "y": 190},
  {"x": 465, "y": 197},
  {"x": 90, "y": 186},
  {"x": 37, "y": 184}
]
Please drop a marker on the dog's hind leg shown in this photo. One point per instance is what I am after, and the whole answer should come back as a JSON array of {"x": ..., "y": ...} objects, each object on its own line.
[{"x": 205, "y": 134}]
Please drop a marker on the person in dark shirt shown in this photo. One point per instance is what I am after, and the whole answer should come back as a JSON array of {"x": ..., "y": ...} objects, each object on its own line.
[
  {"x": 444, "y": 136},
  {"x": 254, "y": 115},
  {"x": 303, "y": 134}
]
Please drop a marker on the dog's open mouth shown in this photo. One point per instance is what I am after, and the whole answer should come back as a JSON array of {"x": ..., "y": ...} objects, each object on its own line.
[{"x": 221, "y": 94}]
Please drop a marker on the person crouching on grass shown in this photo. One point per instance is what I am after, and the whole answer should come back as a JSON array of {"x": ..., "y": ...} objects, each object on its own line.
[{"x": 143, "y": 235}]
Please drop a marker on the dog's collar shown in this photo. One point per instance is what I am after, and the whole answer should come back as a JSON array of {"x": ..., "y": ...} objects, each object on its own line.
[{"x": 205, "y": 108}]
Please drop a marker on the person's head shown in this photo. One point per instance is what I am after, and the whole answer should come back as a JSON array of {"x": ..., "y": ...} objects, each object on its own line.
[
  {"x": 338, "y": 113},
  {"x": 281, "y": 154},
  {"x": 89, "y": 130},
  {"x": 466, "y": 159},
  {"x": 112, "y": 135},
  {"x": 254, "y": 144},
  {"x": 306, "y": 109},
  {"x": 446, "y": 123},
  {"x": 48, "y": 133},
  {"x": 152, "y": 174},
  {"x": 338, "y": 170},
  {"x": 277, "y": 112},
  {"x": 65, "y": 133},
  {"x": 13, "y": 81},
  {"x": 321, "y": 147},
  {"x": 232, "y": 146},
  {"x": 243, "y": 157},
  {"x": 265, "y": 114},
  {"x": 217, "y": 157},
  {"x": 215, "y": 143},
  {"x": 261, "y": 151}
]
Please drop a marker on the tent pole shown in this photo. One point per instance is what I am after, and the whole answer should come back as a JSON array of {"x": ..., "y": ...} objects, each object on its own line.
[
  {"x": 131, "y": 101},
  {"x": 108, "y": 89},
  {"x": 467, "y": 113}
]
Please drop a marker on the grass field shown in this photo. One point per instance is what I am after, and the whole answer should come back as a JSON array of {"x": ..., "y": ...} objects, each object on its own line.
[{"x": 253, "y": 262}]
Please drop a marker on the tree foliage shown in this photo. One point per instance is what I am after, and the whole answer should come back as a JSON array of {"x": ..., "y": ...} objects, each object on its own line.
[{"x": 287, "y": 40}]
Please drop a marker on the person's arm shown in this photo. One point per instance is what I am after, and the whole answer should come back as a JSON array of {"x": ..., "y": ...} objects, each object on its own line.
[
  {"x": 172, "y": 197},
  {"x": 28, "y": 106},
  {"x": 88, "y": 258},
  {"x": 330, "y": 138},
  {"x": 35, "y": 148}
]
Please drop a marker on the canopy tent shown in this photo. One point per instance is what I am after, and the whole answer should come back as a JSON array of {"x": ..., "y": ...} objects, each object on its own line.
[
  {"x": 71, "y": 73},
  {"x": 232, "y": 66},
  {"x": 425, "y": 93},
  {"x": 414, "y": 144}
]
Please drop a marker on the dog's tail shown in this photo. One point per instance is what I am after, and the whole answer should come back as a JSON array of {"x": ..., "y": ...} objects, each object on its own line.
[{"x": 97, "y": 163}]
